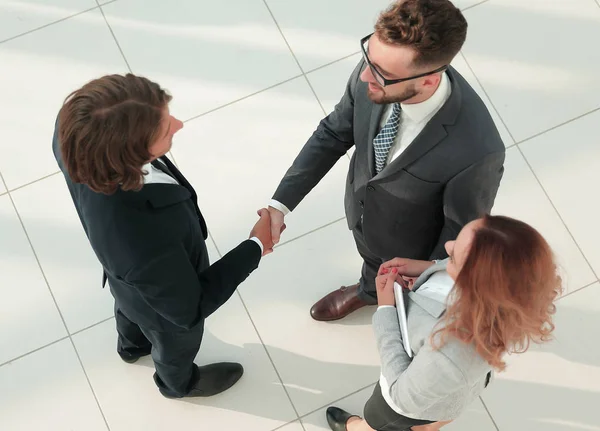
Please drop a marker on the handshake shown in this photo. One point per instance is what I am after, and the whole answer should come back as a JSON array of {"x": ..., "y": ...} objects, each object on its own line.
[{"x": 268, "y": 228}]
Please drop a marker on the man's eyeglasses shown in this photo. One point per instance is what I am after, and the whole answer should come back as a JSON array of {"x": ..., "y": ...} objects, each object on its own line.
[{"x": 364, "y": 45}]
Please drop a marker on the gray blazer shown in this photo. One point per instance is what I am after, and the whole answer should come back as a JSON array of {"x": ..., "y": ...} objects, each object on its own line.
[
  {"x": 435, "y": 385},
  {"x": 447, "y": 177}
]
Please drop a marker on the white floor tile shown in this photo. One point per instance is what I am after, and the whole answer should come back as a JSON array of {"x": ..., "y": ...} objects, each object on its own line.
[
  {"x": 70, "y": 265},
  {"x": 212, "y": 53},
  {"x": 567, "y": 162},
  {"x": 354, "y": 404},
  {"x": 462, "y": 67},
  {"x": 330, "y": 81},
  {"x": 321, "y": 32},
  {"x": 237, "y": 167},
  {"x": 535, "y": 84},
  {"x": 474, "y": 419},
  {"x": 554, "y": 387},
  {"x": 47, "y": 390},
  {"x": 18, "y": 17},
  {"x": 38, "y": 71},
  {"x": 206, "y": 53},
  {"x": 29, "y": 316},
  {"x": 521, "y": 196},
  {"x": 318, "y": 362},
  {"x": 256, "y": 403},
  {"x": 463, "y": 4},
  {"x": 294, "y": 426}
]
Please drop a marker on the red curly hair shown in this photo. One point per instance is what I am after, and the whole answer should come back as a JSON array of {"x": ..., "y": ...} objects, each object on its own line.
[{"x": 505, "y": 291}]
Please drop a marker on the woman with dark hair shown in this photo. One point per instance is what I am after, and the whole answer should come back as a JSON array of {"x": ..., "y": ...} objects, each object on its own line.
[{"x": 493, "y": 295}]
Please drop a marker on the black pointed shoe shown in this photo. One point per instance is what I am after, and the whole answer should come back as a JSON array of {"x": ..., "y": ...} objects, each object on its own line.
[{"x": 338, "y": 418}]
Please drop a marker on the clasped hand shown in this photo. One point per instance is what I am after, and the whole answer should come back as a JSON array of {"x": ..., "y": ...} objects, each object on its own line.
[{"x": 263, "y": 230}]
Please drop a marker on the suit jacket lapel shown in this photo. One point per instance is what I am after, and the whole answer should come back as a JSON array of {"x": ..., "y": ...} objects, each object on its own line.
[
  {"x": 432, "y": 134},
  {"x": 436, "y": 309},
  {"x": 184, "y": 182},
  {"x": 376, "y": 114}
]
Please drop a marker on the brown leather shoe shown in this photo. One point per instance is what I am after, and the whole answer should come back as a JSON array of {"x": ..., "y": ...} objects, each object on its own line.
[{"x": 337, "y": 304}]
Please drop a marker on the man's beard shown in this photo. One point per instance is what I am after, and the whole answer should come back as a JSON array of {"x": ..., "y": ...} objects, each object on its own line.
[{"x": 381, "y": 98}]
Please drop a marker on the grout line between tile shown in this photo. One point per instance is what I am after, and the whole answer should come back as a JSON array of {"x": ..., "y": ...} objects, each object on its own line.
[
  {"x": 502, "y": 119},
  {"x": 3, "y": 183},
  {"x": 242, "y": 98},
  {"x": 35, "y": 350},
  {"x": 56, "y": 341},
  {"x": 69, "y": 336},
  {"x": 264, "y": 347},
  {"x": 474, "y": 5},
  {"x": 332, "y": 62},
  {"x": 212, "y": 238},
  {"x": 52, "y": 23},
  {"x": 488, "y": 97},
  {"x": 270, "y": 358},
  {"x": 558, "y": 125},
  {"x": 267, "y": 88},
  {"x": 294, "y": 55},
  {"x": 577, "y": 290},
  {"x": 33, "y": 182},
  {"x": 92, "y": 326},
  {"x": 309, "y": 232},
  {"x": 113, "y": 34},
  {"x": 289, "y": 423},
  {"x": 336, "y": 401},
  {"x": 489, "y": 413},
  {"x": 557, "y": 212}
]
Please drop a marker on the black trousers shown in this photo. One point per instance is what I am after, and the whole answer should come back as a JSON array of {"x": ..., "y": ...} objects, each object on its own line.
[
  {"x": 173, "y": 353},
  {"x": 380, "y": 416},
  {"x": 371, "y": 263}
]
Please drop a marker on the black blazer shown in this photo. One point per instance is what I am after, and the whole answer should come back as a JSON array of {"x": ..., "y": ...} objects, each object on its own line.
[
  {"x": 448, "y": 176},
  {"x": 151, "y": 244}
]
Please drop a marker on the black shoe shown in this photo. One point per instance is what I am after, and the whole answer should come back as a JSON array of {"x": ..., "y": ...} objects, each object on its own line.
[
  {"x": 214, "y": 379},
  {"x": 338, "y": 418}
]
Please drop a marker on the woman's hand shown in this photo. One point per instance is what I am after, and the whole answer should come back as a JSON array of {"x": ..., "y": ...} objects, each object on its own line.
[
  {"x": 407, "y": 267},
  {"x": 384, "y": 283}
]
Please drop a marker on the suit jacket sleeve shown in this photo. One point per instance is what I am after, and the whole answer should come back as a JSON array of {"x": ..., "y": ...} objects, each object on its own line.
[
  {"x": 468, "y": 196},
  {"x": 171, "y": 286},
  {"x": 414, "y": 385},
  {"x": 332, "y": 139}
]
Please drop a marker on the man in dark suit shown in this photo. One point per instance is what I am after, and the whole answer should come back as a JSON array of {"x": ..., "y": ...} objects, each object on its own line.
[
  {"x": 142, "y": 220},
  {"x": 428, "y": 158}
]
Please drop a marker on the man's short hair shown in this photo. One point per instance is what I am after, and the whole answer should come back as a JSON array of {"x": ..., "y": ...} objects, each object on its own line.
[
  {"x": 435, "y": 29},
  {"x": 105, "y": 130}
]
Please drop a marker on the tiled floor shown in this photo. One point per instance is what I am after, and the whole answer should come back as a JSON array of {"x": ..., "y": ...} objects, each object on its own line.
[{"x": 261, "y": 74}]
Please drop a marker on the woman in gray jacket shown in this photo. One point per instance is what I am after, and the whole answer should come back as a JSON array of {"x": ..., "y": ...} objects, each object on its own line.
[{"x": 493, "y": 295}]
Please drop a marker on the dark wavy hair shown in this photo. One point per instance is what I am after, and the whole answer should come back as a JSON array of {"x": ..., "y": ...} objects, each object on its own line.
[{"x": 105, "y": 130}]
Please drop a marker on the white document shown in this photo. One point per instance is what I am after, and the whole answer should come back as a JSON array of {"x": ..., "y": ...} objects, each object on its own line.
[{"x": 401, "y": 310}]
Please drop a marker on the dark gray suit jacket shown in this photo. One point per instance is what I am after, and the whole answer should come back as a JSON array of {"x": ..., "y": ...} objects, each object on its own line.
[{"x": 448, "y": 175}]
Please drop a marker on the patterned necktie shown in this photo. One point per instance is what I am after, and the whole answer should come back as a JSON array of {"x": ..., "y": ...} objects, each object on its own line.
[{"x": 385, "y": 139}]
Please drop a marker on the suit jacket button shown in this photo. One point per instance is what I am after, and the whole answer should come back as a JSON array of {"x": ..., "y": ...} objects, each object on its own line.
[{"x": 370, "y": 188}]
